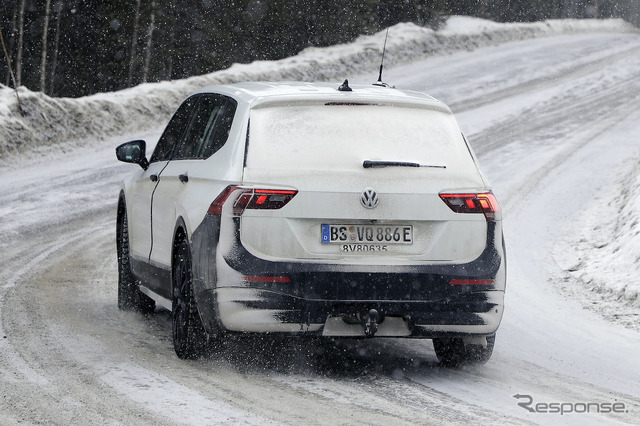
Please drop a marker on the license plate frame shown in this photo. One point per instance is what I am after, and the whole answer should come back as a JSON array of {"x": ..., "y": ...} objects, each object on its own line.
[{"x": 350, "y": 233}]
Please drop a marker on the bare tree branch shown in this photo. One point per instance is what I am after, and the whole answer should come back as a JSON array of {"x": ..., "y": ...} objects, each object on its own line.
[
  {"x": 147, "y": 53},
  {"x": 43, "y": 61},
  {"x": 18, "y": 81},
  {"x": 58, "y": 9},
  {"x": 6, "y": 54},
  {"x": 134, "y": 42}
]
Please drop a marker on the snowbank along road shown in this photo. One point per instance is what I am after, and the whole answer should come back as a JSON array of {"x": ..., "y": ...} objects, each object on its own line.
[{"x": 555, "y": 123}]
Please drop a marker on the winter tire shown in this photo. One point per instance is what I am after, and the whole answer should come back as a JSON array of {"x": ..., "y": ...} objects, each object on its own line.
[
  {"x": 129, "y": 295},
  {"x": 189, "y": 336},
  {"x": 453, "y": 352}
]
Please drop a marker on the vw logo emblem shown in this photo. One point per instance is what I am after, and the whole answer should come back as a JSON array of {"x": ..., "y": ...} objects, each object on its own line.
[{"x": 369, "y": 198}]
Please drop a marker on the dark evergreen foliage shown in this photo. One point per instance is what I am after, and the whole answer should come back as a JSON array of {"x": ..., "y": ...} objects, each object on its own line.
[{"x": 193, "y": 37}]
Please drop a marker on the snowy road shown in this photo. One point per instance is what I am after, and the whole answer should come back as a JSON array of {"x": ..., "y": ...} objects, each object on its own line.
[{"x": 555, "y": 124}]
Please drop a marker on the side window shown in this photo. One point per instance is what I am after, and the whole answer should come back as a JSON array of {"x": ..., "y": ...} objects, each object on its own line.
[
  {"x": 219, "y": 135},
  {"x": 200, "y": 128},
  {"x": 171, "y": 136},
  {"x": 209, "y": 128}
]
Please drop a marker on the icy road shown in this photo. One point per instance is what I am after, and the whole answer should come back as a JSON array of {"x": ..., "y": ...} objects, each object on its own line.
[{"x": 555, "y": 122}]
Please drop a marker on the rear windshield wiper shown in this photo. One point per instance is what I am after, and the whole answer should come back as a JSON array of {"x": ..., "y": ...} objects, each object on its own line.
[{"x": 368, "y": 164}]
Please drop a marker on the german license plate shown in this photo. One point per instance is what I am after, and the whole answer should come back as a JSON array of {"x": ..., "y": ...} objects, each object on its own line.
[{"x": 367, "y": 234}]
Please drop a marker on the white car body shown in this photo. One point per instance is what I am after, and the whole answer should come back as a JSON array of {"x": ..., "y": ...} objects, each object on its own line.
[{"x": 363, "y": 209}]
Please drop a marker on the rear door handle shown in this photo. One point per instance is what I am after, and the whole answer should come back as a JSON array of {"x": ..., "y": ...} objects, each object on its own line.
[
  {"x": 183, "y": 178},
  {"x": 154, "y": 178}
]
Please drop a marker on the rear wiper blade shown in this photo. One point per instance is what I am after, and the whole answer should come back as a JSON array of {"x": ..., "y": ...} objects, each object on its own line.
[{"x": 368, "y": 164}]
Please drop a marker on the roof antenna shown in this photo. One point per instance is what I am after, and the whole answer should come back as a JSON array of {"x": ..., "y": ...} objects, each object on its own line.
[
  {"x": 384, "y": 49},
  {"x": 345, "y": 87}
]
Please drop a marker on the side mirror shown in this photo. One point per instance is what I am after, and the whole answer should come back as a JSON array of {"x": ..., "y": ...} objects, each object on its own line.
[{"x": 133, "y": 152}]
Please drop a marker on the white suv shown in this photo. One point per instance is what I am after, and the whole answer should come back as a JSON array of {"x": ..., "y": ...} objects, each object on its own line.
[{"x": 313, "y": 209}]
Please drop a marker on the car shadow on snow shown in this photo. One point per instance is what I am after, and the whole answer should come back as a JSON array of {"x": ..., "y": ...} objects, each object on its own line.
[
  {"x": 346, "y": 358},
  {"x": 339, "y": 358}
]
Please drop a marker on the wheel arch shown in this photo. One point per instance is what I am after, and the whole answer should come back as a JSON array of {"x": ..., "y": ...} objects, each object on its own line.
[
  {"x": 179, "y": 235},
  {"x": 203, "y": 245},
  {"x": 120, "y": 211},
  {"x": 122, "y": 205},
  {"x": 200, "y": 263}
]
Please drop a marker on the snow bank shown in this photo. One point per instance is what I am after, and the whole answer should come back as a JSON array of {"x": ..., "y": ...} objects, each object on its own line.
[
  {"x": 46, "y": 122},
  {"x": 605, "y": 255}
]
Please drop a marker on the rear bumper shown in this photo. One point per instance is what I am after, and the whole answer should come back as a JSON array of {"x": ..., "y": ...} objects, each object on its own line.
[
  {"x": 252, "y": 310},
  {"x": 333, "y": 300}
]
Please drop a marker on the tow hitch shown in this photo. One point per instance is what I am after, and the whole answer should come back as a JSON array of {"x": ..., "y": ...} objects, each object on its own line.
[
  {"x": 371, "y": 323},
  {"x": 367, "y": 323}
]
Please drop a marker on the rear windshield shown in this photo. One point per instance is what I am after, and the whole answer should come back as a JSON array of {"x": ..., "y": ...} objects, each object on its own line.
[{"x": 341, "y": 137}]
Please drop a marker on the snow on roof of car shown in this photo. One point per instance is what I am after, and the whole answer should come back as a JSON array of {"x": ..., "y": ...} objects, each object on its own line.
[{"x": 260, "y": 93}]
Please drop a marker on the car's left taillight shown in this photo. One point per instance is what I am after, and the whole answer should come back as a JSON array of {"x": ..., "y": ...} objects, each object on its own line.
[
  {"x": 484, "y": 202},
  {"x": 251, "y": 198}
]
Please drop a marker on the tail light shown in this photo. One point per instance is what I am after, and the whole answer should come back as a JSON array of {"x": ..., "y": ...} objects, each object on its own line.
[
  {"x": 484, "y": 203},
  {"x": 251, "y": 198}
]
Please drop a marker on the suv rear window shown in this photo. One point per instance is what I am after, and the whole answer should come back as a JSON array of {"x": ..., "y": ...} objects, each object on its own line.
[{"x": 342, "y": 136}]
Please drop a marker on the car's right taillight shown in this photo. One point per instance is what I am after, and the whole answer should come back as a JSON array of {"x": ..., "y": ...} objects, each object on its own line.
[
  {"x": 251, "y": 198},
  {"x": 484, "y": 202}
]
